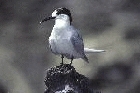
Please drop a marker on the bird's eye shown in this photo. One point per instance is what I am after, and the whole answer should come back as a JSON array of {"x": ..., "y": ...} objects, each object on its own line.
[{"x": 58, "y": 12}]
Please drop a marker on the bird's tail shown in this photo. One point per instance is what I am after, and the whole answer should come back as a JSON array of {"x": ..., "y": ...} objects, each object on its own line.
[
  {"x": 85, "y": 59},
  {"x": 87, "y": 50}
]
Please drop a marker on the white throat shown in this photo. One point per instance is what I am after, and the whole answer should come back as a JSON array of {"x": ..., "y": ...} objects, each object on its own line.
[{"x": 60, "y": 23}]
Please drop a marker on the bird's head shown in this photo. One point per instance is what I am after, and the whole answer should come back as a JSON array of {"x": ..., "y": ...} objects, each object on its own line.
[{"x": 60, "y": 13}]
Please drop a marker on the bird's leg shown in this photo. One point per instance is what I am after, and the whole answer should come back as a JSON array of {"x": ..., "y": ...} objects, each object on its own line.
[
  {"x": 62, "y": 59},
  {"x": 71, "y": 60}
]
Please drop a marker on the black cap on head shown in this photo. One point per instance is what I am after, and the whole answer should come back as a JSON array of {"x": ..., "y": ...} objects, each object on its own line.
[{"x": 64, "y": 10}]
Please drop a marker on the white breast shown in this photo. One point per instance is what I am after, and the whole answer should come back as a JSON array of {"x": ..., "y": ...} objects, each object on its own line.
[{"x": 60, "y": 42}]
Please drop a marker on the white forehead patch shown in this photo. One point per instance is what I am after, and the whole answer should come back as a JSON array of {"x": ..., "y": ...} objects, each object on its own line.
[{"x": 54, "y": 14}]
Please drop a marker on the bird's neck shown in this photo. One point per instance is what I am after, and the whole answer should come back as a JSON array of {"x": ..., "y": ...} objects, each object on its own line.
[{"x": 60, "y": 23}]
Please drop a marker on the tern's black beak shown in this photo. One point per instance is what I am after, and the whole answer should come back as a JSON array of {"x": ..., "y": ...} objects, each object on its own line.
[{"x": 46, "y": 19}]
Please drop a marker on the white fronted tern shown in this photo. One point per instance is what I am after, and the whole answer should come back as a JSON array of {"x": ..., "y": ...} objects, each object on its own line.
[{"x": 65, "y": 40}]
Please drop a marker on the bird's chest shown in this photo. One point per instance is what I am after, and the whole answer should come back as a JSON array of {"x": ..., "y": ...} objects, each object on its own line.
[
  {"x": 60, "y": 41},
  {"x": 60, "y": 34}
]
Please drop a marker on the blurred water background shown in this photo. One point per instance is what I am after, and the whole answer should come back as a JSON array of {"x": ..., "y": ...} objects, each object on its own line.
[{"x": 112, "y": 25}]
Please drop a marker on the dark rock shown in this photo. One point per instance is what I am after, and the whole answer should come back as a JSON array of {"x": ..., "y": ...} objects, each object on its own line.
[{"x": 65, "y": 79}]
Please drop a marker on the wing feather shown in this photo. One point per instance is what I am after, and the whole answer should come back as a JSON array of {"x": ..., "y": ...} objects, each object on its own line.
[{"x": 77, "y": 42}]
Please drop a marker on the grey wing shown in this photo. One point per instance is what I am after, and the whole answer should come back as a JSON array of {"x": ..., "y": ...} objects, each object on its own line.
[
  {"x": 78, "y": 45},
  {"x": 77, "y": 42}
]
